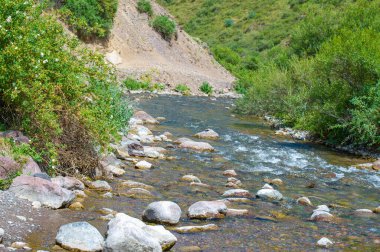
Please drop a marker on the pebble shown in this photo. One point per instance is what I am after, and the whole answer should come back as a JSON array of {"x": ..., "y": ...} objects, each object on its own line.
[
  {"x": 107, "y": 211},
  {"x": 100, "y": 185},
  {"x": 237, "y": 212},
  {"x": 364, "y": 213},
  {"x": 325, "y": 242},
  {"x": 21, "y": 218},
  {"x": 19, "y": 245},
  {"x": 143, "y": 165},
  {"x": 195, "y": 229},
  {"x": 76, "y": 206},
  {"x": 135, "y": 184},
  {"x": 304, "y": 201},
  {"x": 237, "y": 193},
  {"x": 230, "y": 173},
  {"x": 107, "y": 195},
  {"x": 191, "y": 178}
]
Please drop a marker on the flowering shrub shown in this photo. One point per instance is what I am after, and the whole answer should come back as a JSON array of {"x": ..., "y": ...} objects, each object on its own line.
[{"x": 63, "y": 96}]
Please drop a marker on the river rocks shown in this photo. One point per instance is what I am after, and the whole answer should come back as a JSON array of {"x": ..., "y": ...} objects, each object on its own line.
[
  {"x": 138, "y": 193},
  {"x": 2, "y": 233},
  {"x": 7, "y": 166},
  {"x": 305, "y": 201},
  {"x": 376, "y": 165},
  {"x": 162, "y": 212},
  {"x": 276, "y": 181},
  {"x": 197, "y": 146},
  {"x": 191, "y": 178},
  {"x": 80, "y": 236},
  {"x": 20, "y": 245},
  {"x": 233, "y": 182},
  {"x": 230, "y": 173},
  {"x": 237, "y": 212},
  {"x": 134, "y": 184},
  {"x": 207, "y": 134},
  {"x": 207, "y": 210},
  {"x": 135, "y": 149},
  {"x": 166, "y": 239},
  {"x": 197, "y": 184},
  {"x": 114, "y": 170},
  {"x": 145, "y": 117},
  {"x": 76, "y": 206},
  {"x": 182, "y": 140},
  {"x": 100, "y": 185},
  {"x": 143, "y": 165},
  {"x": 107, "y": 211},
  {"x": 240, "y": 200},
  {"x": 364, "y": 213},
  {"x": 377, "y": 210},
  {"x": 269, "y": 193},
  {"x": 321, "y": 214},
  {"x": 154, "y": 152},
  {"x": 237, "y": 193},
  {"x": 325, "y": 243},
  {"x": 30, "y": 167},
  {"x": 126, "y": 234},
  {"x": 37, "y": 189},
  {"x": 69, "y": 183},
  {"x": 196, "y": 229},
  {"x": 141, "y": 131}
]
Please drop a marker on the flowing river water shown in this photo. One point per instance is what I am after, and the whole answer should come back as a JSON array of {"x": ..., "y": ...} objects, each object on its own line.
[{"x": 252, "y": 149}]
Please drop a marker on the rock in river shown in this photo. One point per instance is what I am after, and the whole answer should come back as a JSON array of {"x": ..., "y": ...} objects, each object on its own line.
[
  {"x": 138, "y": 193},
  {"x": 304, "y": 201},
  {"x": 166, "y": 239},
  {"x": 237, "y": 193},
  {"x": 207, "y": 134},
  {"x": 127, "y": 234},
  {"x": 191, "y": 178},
  {"x": 163, "y": 212},
  {"x": 322, "y": 214},
  {"x": 69, "y": 183},
  {"x": 38, "y": 189},
  {"x": 135, "y": 184},
  {"x": 197, "y": 146},
  {"x": 145, "y": 117},
  {"x": 143, "y": 165},
  {"x": 229, "y": 173},
  {"x": 364, "y": 213},
  {"x": 267, "y": 192},
  {"x": 325, "y": 243},
  {"x": 80, "y": 236},
  {"x": 196, "y": 229},
  {"x": 207, "y": 210},
  {"x": 100, "y": 185}
]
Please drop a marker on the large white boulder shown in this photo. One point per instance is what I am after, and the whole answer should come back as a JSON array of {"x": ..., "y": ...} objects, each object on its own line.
[{"x": 163, "y": 212}]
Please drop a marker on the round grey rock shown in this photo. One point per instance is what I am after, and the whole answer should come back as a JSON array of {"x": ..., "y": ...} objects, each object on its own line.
[{"x": 162, "y": 212}]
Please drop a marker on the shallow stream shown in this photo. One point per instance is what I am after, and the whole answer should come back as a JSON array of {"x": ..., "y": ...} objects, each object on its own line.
[{"x": 252, "y": 149}]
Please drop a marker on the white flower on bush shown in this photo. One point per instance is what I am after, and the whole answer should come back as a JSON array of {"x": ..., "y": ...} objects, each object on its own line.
[
  {"x": 9, "y": 19},
  {"x": 45, "y": 61},
  {"x": 42, "y": 55}
]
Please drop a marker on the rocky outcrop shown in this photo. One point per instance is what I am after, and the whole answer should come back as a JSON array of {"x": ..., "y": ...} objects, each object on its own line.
[
  {"x": 162, "y": 212},
  {"x": 38, "y": 189},
  {"x": 80, "y": 236},
  {"x": 69, "y": 183},
  {"x": 30, "y": 167},
  {"x": 207, "y": 210}
]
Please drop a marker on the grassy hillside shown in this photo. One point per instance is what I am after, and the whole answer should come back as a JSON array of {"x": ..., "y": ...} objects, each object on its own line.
[
  {"x": 315, "y": 64},
  {"x": 61, "y": 95}
]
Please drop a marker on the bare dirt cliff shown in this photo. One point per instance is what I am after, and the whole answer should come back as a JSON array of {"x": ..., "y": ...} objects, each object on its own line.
[{"x": 137, "y": 50}]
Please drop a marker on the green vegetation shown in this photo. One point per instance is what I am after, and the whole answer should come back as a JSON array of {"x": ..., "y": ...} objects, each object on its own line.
[
  {"x": 314, "y": 64},
  {"x": 164, "y": 26},
  {"x": 144, "y": 6},
  {"x": 183, "y": 89},
  {"x": 61, "y": 95},
  {"x": 7, "y": 182},
  {"x": 206, "y": 88},
  {"x": 89, "y": 18},
  {"x": 132, "y": 84}
]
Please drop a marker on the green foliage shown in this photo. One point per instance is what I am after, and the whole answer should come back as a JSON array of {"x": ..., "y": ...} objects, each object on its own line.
[
  {"x": 144, "y": 6},
  {"x": 164, "y": 26},
  {"x": 183, "y": 89},
  {"x": 89, "y": 18},
  {"x": 132, "y": 84},
  {"x": 7, "y": 182},
  {"x": 206, "y": 88},
  {"x": 228, "y": 22},
  {"x": 61, "y": 95}
]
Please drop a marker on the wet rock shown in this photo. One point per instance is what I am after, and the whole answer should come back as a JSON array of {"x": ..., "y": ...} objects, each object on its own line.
[
  {"x": 138, "y": 193},
  {"x": 114, "y": 170},
  {"x": 196, "y": 229},
  {"x": 100, "y": 185},
  {"x": 76, "y": 206},
  {"x": 107, "y": 217},
  {"x": 237, "y": 193},
  {"x": 364, "y": 213},
  {"x": 200, "y": 185},
  {"x": 42, "y": 175},
  {"x": 107, "y": 211},
  {"x": 377, "y": 210},
  {"x": 69, "y": 183},
  {"x": 234, "y": 183},
  {"x": 237, "y": 212},
  {"x": 191, "y": 178},
  {"x": 145, "y": 117},
  {"x": 2, "y": 233},
  {"x": 167, "y": 134},
  {"x": 37, "y": 189},
  {"x": 141, "y": 131},
  {"x": 207, "y": 210},
  {"x": 80, "y": 236},
  {"x": 322, "y": 214},
  {"x": 190, "y": 249},
  {"x": 305, "y": 201},
  {"x": 135, "y": 184},
  {"x": 7, "y": 166},
  {"x": 107, "y": 195},
  {"x": 166, "y": 239},
  {"x": 143, "y": 165},
  {"x": 207, "y": 134},
  {"x": 162, "y": 212},
  {"x": 230, "y": 173},
  {"x": 80, "y": 194},
  {"x": 154, "y": 152},
  {"x": 197, "y": 146},
  {"x": 122, "y": 153},
  {"x": 182, "y": 140},
  {"x": 20, "y": 245},
  {"x": 135, "y": 149},
  {"x": 376, "y": 165},
  {"x": 276, "y": 181},
  {"x": 325, "y": 243},
  {"x": 126, "y": 234},
  {"x": 241, "y": 200},
  {"x": 268, "y": 193},
  {"x": 160, "y": 118},
  {"x": 30, "y": 167}
]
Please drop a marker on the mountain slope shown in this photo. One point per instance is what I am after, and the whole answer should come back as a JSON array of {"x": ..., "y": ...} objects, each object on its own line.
[{"x": 140, "y": 52}]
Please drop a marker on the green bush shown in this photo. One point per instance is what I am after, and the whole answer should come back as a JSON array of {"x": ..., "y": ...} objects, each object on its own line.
[
  {"x": 183, "y": 89},
  {"x": 228, "y": 22},
  {"x": 144, "y": 6},
  {"x": 206, "y": 88},
  {"x": 164, "y": 26},
  {"x": 60, "y": 94},
  {"x": 89, "y": 18},
  {"x": 133, "y": 84}
]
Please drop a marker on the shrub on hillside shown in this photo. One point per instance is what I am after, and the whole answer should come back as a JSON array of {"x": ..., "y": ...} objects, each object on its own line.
[
  {"x": 144, "y": 6},
  {"x": 89, "y": 18},
  {"x": 228, "y": 22},
  {"x": 164, "y": 26},
  {"x": 206, "y": 88},
  {"x": 61, "y": 95},
  {"x": 183, "y": 89}
]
